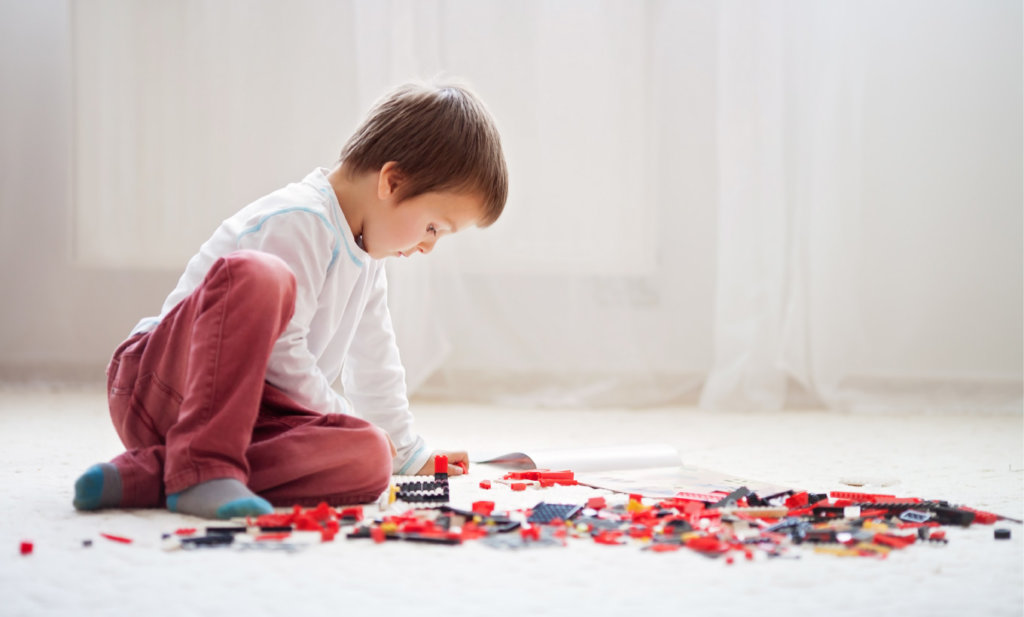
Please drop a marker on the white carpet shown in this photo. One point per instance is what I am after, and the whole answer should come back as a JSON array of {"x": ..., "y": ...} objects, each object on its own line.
[{"x": 48, "y": 438}]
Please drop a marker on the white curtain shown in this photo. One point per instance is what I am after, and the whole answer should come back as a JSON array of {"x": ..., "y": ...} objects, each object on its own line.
[{"x": 753, "y": 205}]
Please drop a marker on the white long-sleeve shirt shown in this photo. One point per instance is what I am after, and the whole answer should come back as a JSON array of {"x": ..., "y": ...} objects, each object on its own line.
[{"x": 341, "y": 326}]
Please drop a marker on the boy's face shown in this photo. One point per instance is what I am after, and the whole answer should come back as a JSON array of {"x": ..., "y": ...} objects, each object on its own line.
[{"x": 402, "y": 229}]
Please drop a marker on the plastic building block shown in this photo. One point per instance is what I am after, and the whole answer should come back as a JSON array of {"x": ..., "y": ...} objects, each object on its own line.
[
  {"x": 798, "y": 500},
  {"x": 1002, "y": 534},
  {"x": 663, "y": 547},
  {"x": 120, "y": 539},
  {"x": 440, "y": 467},
  {"x": 463, "y": 465},
  {"x": 26, "y": 548},
  {"x": 483, "y": 507},
  {"x": 424, "y": 497},
  {"x": 985, "y": 518},
  {"x": 861, "y": 497},
  {"x": 86, "y": 543},
  {"x": 518, "y": 486},
  {"x": 219, "y": 539},
  {"x": 894, "y": 541},
  {"x": 185, "y": 531},
  {"x": 707, "y": 545},
  {"x": 432, "y": 485},
  {"x": 547, "y": 512},
  {"x": 485, "y": 484},
  {"x": 915, "y": 516},
  {"x": 227, "y": 529},
  {"x": 354, "y": 513},
  {"x": 635, "y": 505},
  {"x": 597, "y": 503},
  {"x": 732, "y": 498},
  {"x": 433, "y": 538},
  {"x": 952, "y": 516},
  {"x": 608, "y": 537},
  {"x": 759, "y": 511},
  {"x": 472, "y": 531}
]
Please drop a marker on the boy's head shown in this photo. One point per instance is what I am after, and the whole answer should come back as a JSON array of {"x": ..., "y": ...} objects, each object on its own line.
[{"x": 440, "y": 138}]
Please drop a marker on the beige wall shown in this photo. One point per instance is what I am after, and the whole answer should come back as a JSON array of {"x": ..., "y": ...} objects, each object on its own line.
[
  {"x": 56, "y": 320},
  {"x": 59, "y": 319}
]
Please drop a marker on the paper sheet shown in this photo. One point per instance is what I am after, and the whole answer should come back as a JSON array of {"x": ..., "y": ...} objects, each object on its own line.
[
  {"x": 580, "y": 460},
  {"x": 652, "y": 470}
]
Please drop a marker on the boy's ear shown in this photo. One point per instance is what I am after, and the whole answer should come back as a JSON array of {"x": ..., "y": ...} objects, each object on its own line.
[{"x": 389, "y": 179}]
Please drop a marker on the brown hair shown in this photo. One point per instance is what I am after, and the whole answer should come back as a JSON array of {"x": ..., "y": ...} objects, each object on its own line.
[{"x": 442, "y": 138}]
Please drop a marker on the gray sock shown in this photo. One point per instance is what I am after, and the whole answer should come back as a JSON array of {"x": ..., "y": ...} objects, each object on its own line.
[
  {"x": 220, "y": 498},
  {"x": 99, "y": 487}
]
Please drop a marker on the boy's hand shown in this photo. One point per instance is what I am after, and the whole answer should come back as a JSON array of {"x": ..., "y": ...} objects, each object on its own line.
[{"x": 453, "y": 458}]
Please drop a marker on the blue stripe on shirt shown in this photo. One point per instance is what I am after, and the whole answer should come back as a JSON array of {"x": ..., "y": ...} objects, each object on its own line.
[
  {"x": 402, "y": 471},
  {"x": 334, "y": 251}
]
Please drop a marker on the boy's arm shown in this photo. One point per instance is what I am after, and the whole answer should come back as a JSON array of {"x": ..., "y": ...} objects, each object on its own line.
[
  {"x": 306, "y": 244},
  {"x": 374, "y": 380}
]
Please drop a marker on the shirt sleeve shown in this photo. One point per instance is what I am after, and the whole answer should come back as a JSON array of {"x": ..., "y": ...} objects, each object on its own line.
[
  {"x": 307, "y": 244},
  {"x": 374, "y": 379}
]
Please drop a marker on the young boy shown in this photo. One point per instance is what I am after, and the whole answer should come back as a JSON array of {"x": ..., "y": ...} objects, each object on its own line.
[{"x": 224, "y": 400}]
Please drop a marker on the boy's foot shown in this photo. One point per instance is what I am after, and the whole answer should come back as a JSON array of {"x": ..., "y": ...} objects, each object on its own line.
[
  {"x": 220, "y": 498},
  {"x": 99, "y": 487}
]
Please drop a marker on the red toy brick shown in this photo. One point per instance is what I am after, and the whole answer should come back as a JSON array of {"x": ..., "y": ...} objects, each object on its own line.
[
  {"x": 984, "y": 518},
  {"x": 483, "y": 507},
  {"x": 441, "y": 464},
  {"x": 26, "y": 548},
  {"x": 120, "y": 539},
  {"x": 894, "y": 541},
  {"x": 707, "y": 544},
  {"x": 472, "y": 531},
  {"x": 608, "y": 537},
  {"x": 321, "y": 513},
  {"x": 518, "y": 486},
  {"x": 486, "y": 484},
  {"x": 798, "y": 500},
  {"x": 355, "y": 512},
  {"x": 665, "y": 548},
  {"x": 597, "y": 503},
  {"x": 861, "y": 497}
]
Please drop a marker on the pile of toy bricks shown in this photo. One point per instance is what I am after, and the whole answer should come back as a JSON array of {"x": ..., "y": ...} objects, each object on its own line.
[{"x": 715, "y": 524}]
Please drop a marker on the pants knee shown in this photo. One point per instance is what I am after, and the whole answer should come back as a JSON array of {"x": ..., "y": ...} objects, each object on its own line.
[{"x": 266, "y": 280}]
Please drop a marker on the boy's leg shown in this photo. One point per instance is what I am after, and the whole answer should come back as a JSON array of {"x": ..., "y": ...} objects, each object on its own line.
[
  {"x": 190, "y": 396},
  {"x": 134, "y": 478},
  {"x": 302, "y": 457}
]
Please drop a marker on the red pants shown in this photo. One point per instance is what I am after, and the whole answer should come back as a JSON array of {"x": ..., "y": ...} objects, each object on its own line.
[{"x": 189, "y": 401}]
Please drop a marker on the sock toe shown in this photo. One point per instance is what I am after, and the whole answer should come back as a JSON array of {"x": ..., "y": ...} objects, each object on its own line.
[
  {"x": 89, "y": 489},
  {"x": 247, "y": 506}
]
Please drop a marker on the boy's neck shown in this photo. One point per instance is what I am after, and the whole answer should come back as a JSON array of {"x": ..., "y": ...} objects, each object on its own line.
[{"x": 351, "y": 192}]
